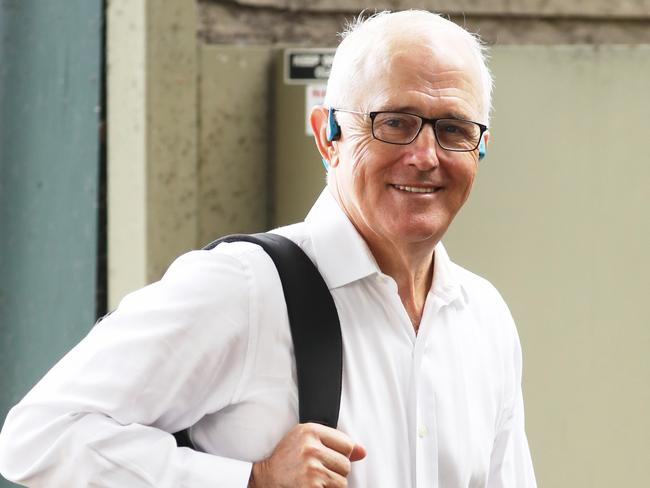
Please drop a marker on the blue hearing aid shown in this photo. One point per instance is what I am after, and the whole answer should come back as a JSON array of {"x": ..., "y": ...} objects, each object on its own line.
[
  {"x": 333, "y": 128},
  {"x": 481, "y": 149}
]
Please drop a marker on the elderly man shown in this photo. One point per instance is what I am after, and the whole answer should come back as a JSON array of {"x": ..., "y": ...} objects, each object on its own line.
[{"x": 432, "y": 365}]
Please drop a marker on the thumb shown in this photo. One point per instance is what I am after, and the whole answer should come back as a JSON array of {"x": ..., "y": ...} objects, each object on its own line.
[{"x": 358, "y": 453}]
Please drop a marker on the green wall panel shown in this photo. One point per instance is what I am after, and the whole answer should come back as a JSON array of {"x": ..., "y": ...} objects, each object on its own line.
[{"x": 50, "y": 89}]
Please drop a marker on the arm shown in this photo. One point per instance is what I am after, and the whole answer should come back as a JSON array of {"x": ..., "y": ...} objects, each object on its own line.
[
  {"x": 510, "y": 463},
  {"x": 172, "y": 352}
]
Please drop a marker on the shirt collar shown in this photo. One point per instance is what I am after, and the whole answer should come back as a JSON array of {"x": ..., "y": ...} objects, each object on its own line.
[
  {"x": 446, "y": 285},
  {"x": 341, "y": 253},
  {"x": 343, "y": 256}
]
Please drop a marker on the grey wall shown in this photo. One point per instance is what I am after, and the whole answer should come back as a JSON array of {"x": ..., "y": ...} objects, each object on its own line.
[
  {"x": 315, "y": 22},
  {"x": 557, "y": 220},
  {"x": 50, "y": 69}
]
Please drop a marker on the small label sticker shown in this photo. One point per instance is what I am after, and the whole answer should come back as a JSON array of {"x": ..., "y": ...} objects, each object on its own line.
[{"x": 314, "y": 95}]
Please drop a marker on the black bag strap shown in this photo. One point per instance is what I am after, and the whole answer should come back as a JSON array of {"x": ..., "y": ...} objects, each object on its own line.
[{"x": 315, "y": 328}]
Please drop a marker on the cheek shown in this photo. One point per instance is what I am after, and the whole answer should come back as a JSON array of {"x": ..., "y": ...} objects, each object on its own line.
[
  {"x": 358, "y": 160},
  {"x": 359, "y": 143},
  {"x": 463, "y": 176}
]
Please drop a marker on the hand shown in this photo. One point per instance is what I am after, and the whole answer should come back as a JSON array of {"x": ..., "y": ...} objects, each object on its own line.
[{"x": 308, "y": 456}]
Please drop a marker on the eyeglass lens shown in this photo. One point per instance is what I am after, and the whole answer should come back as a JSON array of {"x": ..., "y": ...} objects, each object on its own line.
[{"x": 401, "y": 128}]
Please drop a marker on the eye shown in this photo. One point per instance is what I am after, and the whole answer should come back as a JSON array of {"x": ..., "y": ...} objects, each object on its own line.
[
  {"x": 394, "y": 123},
  {"x": 451, "y": 128},
  {"x": 457, "y": 128},
  {"x": 395, "y": 127}
]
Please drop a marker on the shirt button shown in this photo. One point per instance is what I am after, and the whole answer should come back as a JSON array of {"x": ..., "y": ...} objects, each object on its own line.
[{"x": 422, "y": 431}]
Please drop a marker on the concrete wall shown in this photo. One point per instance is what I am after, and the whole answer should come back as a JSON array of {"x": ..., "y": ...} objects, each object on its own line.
[
  {"x": 153, "y": 131},
  {"x": 499, "y": 21},
  {"x": 234, "y": 140}
]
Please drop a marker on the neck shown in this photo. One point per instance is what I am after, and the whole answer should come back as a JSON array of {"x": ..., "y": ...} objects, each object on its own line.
[
  {"x": 412, "y": 270},
  {"x": 409, "y": 264}
]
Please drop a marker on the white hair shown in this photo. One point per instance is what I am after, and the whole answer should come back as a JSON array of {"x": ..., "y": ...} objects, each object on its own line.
[{"x": 361, "y": 36}]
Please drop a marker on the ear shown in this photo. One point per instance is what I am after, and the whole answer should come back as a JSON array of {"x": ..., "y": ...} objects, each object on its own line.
[{"x": 318, "y": 119}]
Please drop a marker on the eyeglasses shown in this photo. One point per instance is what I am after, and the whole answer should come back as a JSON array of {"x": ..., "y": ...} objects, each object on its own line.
[{"x": 403, "y": 128}]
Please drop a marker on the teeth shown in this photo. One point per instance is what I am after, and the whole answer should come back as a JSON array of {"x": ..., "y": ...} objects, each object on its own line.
[{"x": 414, "y": 189}]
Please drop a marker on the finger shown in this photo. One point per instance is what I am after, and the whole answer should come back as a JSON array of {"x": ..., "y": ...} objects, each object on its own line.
[
  {"x": 336, "y": 480},
  {"x": 334, "y": 439},
  {"x": 358, "y": 453},
  {"x": 335, "y": 461}
]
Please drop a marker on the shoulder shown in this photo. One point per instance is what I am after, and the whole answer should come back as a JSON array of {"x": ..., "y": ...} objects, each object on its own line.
[
  {"x": 484, "y": 301},
  {"x": 226, "y": 276},
  {"x": 236, "y": 269},
  {"x": 477, "y": 287},
  {"x": 253, "y": 258}
]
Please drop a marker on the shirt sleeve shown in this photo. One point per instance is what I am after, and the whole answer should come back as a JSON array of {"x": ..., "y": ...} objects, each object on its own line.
[
  {"x": 511, "y": 465},
  {"x": 171, "y": 353}
]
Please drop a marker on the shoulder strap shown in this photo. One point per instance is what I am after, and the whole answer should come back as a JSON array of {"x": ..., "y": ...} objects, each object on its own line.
[{"x": 315, "y": 329}]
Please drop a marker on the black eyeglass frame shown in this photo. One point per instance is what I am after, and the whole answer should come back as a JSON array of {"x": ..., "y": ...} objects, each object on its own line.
[{"x": 424, "y": 120}]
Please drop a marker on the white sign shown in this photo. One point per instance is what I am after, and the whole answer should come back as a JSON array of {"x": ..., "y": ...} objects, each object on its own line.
[{"x": 314, "y": 95}]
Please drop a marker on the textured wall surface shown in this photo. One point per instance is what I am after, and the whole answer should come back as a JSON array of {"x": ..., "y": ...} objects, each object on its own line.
[
  {"x": 234, "y": 142},
  {"x": 152, "y": 156},
  {"x": 171, "y": 70},
  {"x": 499, "y": 21},
  {"x": 532, "y": 7}
]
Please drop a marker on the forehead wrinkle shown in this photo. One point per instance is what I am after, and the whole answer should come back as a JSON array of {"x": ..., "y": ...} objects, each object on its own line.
[
  {"x": 401, "y": 59},
  {"x": 436, "y": 99}
]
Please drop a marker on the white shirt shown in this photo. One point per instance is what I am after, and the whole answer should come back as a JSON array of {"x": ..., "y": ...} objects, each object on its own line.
[{"x": 210, "y": 345}]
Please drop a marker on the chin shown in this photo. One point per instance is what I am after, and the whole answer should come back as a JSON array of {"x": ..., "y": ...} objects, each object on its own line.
[{"x": 420, "y": 232}]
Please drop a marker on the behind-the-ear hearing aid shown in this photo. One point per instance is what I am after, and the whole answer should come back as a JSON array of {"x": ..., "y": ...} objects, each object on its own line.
[
  {"x": 481, "y": 149},
  {"x": 333, "y": 128},
  {"x": 326, "y": 164}
]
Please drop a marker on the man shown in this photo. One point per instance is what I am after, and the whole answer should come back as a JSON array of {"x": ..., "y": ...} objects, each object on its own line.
[{"x": 432, "y": 365}]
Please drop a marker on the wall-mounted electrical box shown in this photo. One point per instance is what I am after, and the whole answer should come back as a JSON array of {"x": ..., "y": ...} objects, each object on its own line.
[{"x": 298, "y": 175}]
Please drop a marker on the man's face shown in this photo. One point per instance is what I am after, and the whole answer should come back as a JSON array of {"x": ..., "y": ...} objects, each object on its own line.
[{"x": 408, "y": 194}]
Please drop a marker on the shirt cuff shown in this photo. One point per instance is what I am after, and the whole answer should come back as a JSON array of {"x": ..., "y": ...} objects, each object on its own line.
[{"x": 209, "y": 471}]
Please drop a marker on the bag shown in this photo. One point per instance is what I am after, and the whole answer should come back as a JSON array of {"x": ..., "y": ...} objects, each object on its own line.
[{"x": 315, "y": 330}]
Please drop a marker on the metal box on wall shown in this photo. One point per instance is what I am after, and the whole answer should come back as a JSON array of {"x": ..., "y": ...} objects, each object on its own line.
[{"x": 297, "y": 174}]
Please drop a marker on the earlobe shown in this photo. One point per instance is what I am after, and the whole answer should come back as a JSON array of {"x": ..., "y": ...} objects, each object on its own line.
[{"x": 334, "y": 158}]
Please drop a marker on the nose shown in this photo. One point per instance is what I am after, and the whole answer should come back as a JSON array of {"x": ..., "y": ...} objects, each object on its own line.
[{"x": 425, "y": 149}]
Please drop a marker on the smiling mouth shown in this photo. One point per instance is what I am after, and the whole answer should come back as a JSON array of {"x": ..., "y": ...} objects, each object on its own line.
[{"x": 417, "y": 189}]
